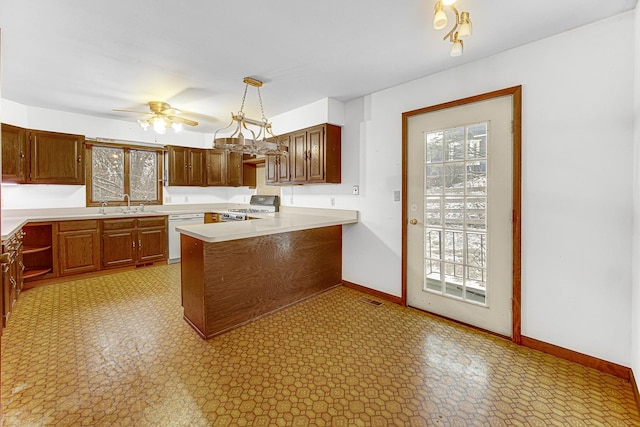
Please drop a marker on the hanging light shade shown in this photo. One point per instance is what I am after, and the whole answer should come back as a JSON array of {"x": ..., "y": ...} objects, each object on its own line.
[{"x": 249, "y": 136}]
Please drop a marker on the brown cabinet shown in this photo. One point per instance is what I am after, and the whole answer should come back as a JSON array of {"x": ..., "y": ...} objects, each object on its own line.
[
  {"x": 186, "y": 166},
  {"x": 14, "y": 154},
  {"x": 12, "y": 274},
  {"x": 55, "y": 158},
  {"x": 38, "y": 251},
  {"x": 131, "y": 241},
  {"x": 78, "y": 247},
  {"x": 229, "y": 169},
  {"x": 277, "y": 166},
  {"x": 315, "y": 155},
  {"x": 216, "y": 171}
]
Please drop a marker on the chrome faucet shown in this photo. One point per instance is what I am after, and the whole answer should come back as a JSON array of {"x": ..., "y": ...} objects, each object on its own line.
[
  {"x": 102, "y": 206},
  {"x": 126, "y": 196}
]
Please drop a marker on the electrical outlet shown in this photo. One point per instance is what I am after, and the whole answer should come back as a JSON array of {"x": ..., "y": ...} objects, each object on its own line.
[
  {"x": 356, "y": 190},
  {"x": 396, "y": 195},
  {"x": 333, "y": 201}
]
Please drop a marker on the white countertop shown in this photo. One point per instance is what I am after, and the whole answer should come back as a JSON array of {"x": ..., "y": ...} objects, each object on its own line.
[
  {"x": 289, "y": 219},
  {"x": 272, "y": 223}
]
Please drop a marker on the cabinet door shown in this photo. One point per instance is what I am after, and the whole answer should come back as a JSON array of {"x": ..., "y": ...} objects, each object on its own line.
[
  {"x": 118, "y": 247},
  {"x": 216, "y": 167},
  {"x": 298, "y": 156},
  {"x": 55, "y": 158},
  {"x": 152, "y": 244},
  {"x": 315, "y": 154},
  {"x": 178, "y": 165},
  {"x": 14, "y": 151},
  {"x": 234, "y": 168},
  {"x": 79, "y": 251},
  {"x": 197, "y": 163}
]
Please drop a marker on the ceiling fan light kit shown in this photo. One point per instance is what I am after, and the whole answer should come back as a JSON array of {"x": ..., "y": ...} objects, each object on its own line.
[
  {"x": 259, "y": 141},
  {"x": 461, "y": 29},
  {"x": 163, "y": 117}
]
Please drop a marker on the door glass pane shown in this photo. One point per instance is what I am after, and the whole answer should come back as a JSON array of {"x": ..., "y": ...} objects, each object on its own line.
[
  {"x": 143, "y": 175},
  {"x": 107, "y": 166},
  {"x": 455, "y": 212}
]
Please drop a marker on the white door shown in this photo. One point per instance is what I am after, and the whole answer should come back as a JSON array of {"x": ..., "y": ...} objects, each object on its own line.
[{"x": 459, "y": 209}]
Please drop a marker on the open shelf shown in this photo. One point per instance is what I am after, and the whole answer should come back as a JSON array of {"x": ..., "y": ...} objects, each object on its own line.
[
  {"x": 34, "y": 249},
  {"x": 35, "y": 272}
]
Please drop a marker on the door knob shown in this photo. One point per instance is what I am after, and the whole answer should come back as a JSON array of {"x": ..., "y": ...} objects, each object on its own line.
[{"x": 413, "y": 221}]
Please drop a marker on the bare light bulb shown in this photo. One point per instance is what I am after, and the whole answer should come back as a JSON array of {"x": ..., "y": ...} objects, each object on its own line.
[{"x": 176, "y": 126}]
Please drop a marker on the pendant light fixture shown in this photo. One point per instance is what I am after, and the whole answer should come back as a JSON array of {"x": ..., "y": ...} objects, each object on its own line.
[
  {"x": 460, "y": 30},
  {"x": 259, "y": 138}
]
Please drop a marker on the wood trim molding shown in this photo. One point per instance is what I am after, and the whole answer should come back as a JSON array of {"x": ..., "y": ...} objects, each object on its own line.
[
  {"x": 634, "y": 388},
  {"x": 580, "y": 358},
  {"x": 387, "y": 297},
  {"x": 516, "y": 93}
]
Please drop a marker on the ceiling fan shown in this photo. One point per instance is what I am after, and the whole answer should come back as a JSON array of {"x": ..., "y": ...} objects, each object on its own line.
[{"x": 163, "y": 116}]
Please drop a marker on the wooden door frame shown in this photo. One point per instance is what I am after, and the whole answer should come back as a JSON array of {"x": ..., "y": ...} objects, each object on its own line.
[{"x": 516, "y": 93}]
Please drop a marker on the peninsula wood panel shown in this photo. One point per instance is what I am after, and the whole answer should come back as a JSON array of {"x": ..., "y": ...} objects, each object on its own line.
[{"x": 244, "y": 279}]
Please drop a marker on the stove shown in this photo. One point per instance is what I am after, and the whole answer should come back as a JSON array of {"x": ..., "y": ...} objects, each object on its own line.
[{"x": 257, "y": 204}]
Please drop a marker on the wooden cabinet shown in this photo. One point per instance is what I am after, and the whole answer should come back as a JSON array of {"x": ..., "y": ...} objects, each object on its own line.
[
  {"x": 41, "y": 157},
  {"x": 152, "y": 239},
  {"x": 131, "y": 241},
  {"x": 14, "y": 154},
  {"x": 78, "y": 247},
  {"x": 229, "y": 169},
  {"x": 12, "y": 274},
  {"x": 216, "y": 172},
  {"x": 38, "y": 251},
  {"x": 277, "y": 166},
  {"x": 186, "y": 166},
  {"x": 210, "y": 217},
  {"x": 315, "y": 155},
  {"x": 55, "y": 158}
]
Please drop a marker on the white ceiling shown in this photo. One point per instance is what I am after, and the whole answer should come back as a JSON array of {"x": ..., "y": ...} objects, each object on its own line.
[{"x": 89, "y": 57}]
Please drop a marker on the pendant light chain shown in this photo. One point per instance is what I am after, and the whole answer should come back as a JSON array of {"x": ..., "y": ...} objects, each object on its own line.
[
  {"x": 246, "y": 86},
  {"x": 264, "y": 119}
]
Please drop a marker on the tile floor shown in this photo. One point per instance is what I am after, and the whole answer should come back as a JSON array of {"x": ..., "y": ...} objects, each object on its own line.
[{"x": 114, "y": 350}]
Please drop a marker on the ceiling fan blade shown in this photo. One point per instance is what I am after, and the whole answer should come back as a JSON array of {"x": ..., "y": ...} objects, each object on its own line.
[
  {"x": 182, "y": 120},
  {"x": 132, "y": 111}
]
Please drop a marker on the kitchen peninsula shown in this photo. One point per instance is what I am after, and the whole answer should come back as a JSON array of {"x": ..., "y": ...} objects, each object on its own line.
[{"x": 236, "y": 272}]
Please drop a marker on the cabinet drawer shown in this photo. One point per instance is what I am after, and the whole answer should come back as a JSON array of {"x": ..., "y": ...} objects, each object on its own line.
[
  {"x": 85, "y": 224},
  {"x": 156, "y": 221},
  {"x": 118, "y": 224}
]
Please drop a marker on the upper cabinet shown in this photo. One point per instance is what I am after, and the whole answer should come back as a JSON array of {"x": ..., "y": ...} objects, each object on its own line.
[
  {"x": 186, "y": 166},
  {"x": 56, "y": 158},
  {"x": 314, "y": 157},
  {"x": 277, "y": 166},
  {"x": 40, "y": 157},
  {"x": 14, "y": 154}
]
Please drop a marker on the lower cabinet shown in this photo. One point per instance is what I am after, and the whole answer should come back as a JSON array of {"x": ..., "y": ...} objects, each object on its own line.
[
  {"x": 78, "y": 247},
  {"x": 12, "y": 274},
  {"x": 131, "y": 241}
]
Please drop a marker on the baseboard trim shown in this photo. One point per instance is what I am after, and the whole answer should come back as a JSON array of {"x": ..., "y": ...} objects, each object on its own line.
[
  {"x": 634, "y": 387},
  {"x": 387, "y": 297},
  {"x": 580, "y": 358}
]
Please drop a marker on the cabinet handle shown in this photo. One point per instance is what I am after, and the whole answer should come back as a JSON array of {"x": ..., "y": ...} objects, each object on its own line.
[
  {"x": 139, "y": 243},
  {"x": 79, "y": 159},
  {"x": 21, "y": 155},
  {"x": 133, "y": 244}
]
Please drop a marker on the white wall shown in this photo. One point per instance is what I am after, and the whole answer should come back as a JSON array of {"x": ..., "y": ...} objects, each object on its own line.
[
  {"x": 635, "y": 299},
  {"x": 577, "y": 181}
]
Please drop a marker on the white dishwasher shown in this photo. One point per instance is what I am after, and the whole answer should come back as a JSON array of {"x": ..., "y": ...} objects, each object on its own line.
[{"x": 177, "y": 220}]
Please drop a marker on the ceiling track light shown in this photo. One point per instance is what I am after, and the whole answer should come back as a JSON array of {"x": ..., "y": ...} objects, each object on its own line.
[
  {"x": 461, "y": 28},
  {"x": 259, "y": 139}
]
